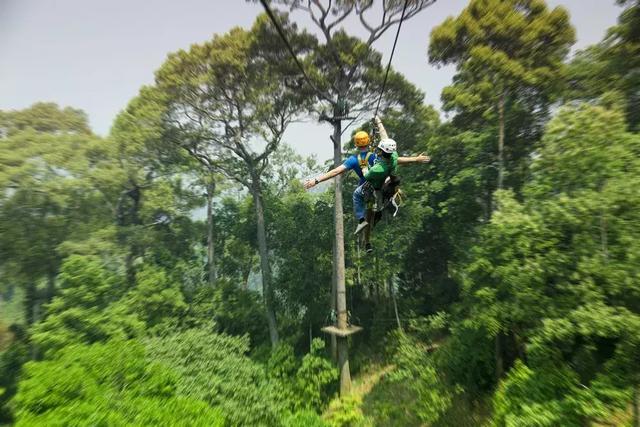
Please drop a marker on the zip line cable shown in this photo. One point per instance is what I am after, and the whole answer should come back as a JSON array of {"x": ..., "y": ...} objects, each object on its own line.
[
  {"x": 280, "y": 31},
  {"x": 386, "y": 74},
  {"x": 350, "y": 123},
  {"x": 304, "y": 73}
]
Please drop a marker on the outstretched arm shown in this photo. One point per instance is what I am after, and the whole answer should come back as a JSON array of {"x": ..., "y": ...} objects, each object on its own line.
[
  {"x": 381, "y": 129},
  {"x": 310, "y": 183},
  {"x": 420, "y": 158}
]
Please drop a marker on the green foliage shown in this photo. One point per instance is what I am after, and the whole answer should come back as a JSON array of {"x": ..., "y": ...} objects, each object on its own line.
[
  {"x": 345, "y": 412},
  {"x": 84, "y": 312},
  {"x": 446, "y": 202},
  {"x": 141, "y": 177},
  {"x": 228, "y": 108},
  {"x": 304, "y": 419},
  {"x": 235, "y": 225},
  {"x": 105, "y": 384},
  {"x": 552, "y": 396},
  {"x": 501, "y": 46},
  {"x": 282, "y": 363},
  {"x": 233, "y": 310},
  {"x": 93, "y": 305},
  {"x": 555, "y": 268},
  {"x": 611, "y": 67},
  {"x": 549, "y": 271},
  {"x": 237, "y": 69},
  {"x": 305, "y": 297},
  {"x": 594, "y": 142},
  {"x": 467, "y": 358},
  {"x": 386, "y": 404},
  {"x": 11, "y": 361},
  {"x": 86, "y": 283},
  {"x": 214, "y": 368},
  {"x": 308, "y": 383},
  {"x": 155, "y": 300},
  {"x": 415, "y": 368},
  {"x": 45, "y": 117},
  {"x": 509, "y": 63},
  {"x": 531, "y": 296},
  {"x": 315, "y": 377},
  {"x": 11, "y": 305},
  {"x": 44, "y": 199}
]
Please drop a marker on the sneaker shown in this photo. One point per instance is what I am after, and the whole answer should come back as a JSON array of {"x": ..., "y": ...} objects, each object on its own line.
[
  {"x": 361, "y": 226},
  {"x": 368, "y": 248}
]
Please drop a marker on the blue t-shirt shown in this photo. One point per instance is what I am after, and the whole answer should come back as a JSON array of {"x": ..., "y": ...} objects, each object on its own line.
[{"x": 353, "y": 163}]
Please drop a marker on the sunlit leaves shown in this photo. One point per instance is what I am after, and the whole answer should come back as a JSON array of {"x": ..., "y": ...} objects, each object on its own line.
[{"x": 106, "y": 384}]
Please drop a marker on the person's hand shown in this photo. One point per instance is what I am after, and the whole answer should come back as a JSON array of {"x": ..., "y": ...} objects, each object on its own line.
[
  {"x": 421, "y": 158},
  {"x": 310, "y": 183}
]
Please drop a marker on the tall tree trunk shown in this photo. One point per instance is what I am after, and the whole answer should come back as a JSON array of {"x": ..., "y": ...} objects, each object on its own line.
[
  {"x": 211, "y": 264},
  {"x": 337, "y": 158},
  {"x": 501, "y": 103},
  {"x": 499, "y": 371},
  {"x": 499, "y": 360},
  {"x": 334, "y": 299},
  {"x": 130, "y": 269},
  {"x": 395, "y": 303},
  {"x": 636, "y": 406},
  {"x": 134, "y": 248},
  {"x": 267, "y": 290},
  {"x": 123, "y": 220},
  {"x": 603, "y": 236},
  {"x": 338, "y": 264},
  {"x": 31, "y": 303},
  {"x": 376, "y": 266},
  {"x": 51, "y": 285},
  {"x": 32, "y": 312},
  {"x": 245, "y": 278}
]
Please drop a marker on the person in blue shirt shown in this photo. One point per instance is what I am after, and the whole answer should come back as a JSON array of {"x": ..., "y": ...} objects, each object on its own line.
[{"x": 360, "y": 162}]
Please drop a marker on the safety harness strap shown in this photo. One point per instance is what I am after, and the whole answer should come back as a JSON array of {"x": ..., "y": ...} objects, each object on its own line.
[{"x": 364, "y": 162}]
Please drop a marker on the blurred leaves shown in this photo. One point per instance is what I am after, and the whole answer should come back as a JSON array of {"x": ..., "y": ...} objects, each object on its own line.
[
  {"x": 524, "y": 299},
  {"x": 106, "y": 384}
]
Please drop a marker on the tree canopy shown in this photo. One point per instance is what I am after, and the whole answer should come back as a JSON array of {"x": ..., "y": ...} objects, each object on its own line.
[{"x": 176, "y": 272}]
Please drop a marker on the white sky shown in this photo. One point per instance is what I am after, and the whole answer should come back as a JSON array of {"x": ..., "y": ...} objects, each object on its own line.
[{"x": 96, "y": 54}]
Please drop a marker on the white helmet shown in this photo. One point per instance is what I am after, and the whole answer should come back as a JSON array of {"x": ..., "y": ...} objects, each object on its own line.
[{"x": 387, "y": 145}]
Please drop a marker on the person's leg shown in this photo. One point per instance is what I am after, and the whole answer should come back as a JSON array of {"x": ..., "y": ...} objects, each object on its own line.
[
  {"x": 377, "y": 216},
  {"x": 360, "y": 197},
  {"x": 367, "y": 231},
  {"x": 379, "y": 203},
  {"x": 359, "y": 203}
]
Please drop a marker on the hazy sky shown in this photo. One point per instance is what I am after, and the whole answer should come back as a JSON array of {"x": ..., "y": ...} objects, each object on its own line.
[{"x": 95, "y": 54}]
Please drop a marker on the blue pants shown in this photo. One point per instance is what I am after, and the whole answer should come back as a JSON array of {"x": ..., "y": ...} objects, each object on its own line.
[{"x": 361, "y": 196}]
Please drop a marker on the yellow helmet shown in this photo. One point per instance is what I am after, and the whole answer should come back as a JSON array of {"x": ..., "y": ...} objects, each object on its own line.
[{"x": 361, "y": 138}]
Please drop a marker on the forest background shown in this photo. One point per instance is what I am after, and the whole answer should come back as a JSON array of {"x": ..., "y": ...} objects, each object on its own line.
[{"x": 505, "y": 293}]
